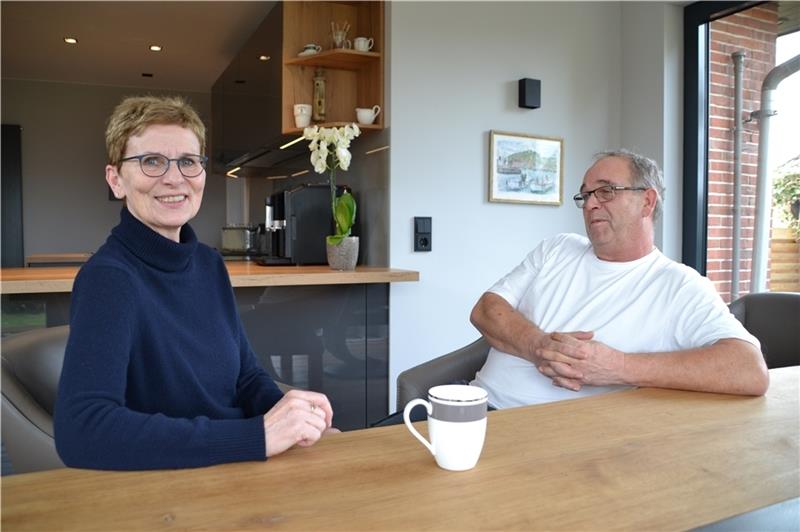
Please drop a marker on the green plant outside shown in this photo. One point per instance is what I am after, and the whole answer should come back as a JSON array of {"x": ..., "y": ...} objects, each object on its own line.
[
  {"x": 17, "y": 322},
  {"x": 786, "y": 191}
]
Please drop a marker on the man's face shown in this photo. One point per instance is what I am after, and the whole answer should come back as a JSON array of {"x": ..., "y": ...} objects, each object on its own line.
[{"x": 619, "y": 229}]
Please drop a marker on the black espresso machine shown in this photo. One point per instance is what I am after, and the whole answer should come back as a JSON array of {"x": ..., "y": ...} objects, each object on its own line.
[{"x": 296, "y": 223}]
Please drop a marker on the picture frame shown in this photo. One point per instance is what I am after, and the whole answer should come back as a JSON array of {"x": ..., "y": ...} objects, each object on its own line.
[{"x": 526, "y": 168}]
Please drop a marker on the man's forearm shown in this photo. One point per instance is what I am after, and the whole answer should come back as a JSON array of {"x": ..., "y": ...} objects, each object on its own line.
[
  {"x": 728, "y": 366},
  {"x": 504, "y": 328}
]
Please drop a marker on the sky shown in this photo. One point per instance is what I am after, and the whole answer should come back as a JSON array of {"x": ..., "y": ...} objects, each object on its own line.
[{"x": 784, "y": 135}]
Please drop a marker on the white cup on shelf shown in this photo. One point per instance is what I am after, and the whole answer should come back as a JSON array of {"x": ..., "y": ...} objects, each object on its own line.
[
  {"x": 366, "y": 115},
  {"x": 311, "y": 49},
  {"x": 363, "y": 44},
  {"x": 302, "y": 115}
]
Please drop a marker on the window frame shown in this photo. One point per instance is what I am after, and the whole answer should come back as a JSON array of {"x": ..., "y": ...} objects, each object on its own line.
[{"x": 696, "y": 18}]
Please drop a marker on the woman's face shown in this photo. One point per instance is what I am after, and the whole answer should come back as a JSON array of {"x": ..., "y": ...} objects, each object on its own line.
[{"x": 163, "y": 203}]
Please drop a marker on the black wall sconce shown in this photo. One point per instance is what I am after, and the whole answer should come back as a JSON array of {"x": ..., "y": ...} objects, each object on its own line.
[{"x": 530, "y": 93}]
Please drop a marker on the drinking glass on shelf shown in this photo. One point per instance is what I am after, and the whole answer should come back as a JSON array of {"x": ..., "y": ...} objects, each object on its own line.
[{"x": 339, "y": 35}]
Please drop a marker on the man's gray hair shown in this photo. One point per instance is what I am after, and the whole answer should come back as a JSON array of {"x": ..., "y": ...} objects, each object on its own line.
[{"x": 645, "y": 174}]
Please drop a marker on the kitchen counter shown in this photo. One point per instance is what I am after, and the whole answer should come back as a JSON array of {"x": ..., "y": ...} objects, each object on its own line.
[
  {"x": 243, "y": 274},
  {"x": 56, "y": 259},
  {"x": 310, "y": 327}
]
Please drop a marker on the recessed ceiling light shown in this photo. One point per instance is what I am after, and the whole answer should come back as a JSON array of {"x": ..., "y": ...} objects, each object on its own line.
[
  {"x": 263, "y": 58},
  {"x": 70, "y": 40},
  {"x": 155, "y": 48}
]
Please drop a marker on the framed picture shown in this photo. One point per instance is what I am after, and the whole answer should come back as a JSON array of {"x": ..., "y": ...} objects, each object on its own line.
[{"x": 525, "y": 168}]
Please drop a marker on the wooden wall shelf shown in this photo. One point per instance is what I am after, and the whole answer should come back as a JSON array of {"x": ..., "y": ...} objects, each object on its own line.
[
  {"x": 340, "y": 59},
  {"x": 362, "y": 127},
  {"x": 352, "y": 78}
]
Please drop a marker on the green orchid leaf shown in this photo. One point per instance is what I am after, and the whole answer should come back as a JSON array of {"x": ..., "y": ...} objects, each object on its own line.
[
  {"x": 345, "y": 214},
  {"x": 335, "y": 240}
]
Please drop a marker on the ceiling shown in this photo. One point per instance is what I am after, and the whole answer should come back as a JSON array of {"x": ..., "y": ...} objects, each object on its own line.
[{"x": 199, "y": 40}]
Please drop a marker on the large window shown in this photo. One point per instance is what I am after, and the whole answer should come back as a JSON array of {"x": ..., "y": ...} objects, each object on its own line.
[{"x": 715, "y": 34}]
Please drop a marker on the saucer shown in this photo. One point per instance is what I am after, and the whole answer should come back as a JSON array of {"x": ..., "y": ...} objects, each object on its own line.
[{"x": 308, "y": 52}]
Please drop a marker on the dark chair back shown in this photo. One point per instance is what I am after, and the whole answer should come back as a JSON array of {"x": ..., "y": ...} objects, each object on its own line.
[
  {"x": 31, "y": 368},
  {"x": 773, "y": 318},
  {"x": 461, "y": 364}
]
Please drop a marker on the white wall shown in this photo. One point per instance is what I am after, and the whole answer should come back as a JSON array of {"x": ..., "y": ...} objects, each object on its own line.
[
  {"x": 652, "y": 102},
  {"x": 454, "y": 73},
  {"x": 453, "y": 78}
]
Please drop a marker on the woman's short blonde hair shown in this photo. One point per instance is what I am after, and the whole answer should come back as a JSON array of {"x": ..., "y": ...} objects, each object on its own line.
[{"x": 136, "y": 113}]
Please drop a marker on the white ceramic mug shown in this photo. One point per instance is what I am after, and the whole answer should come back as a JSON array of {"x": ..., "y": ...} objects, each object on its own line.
[
  {"x": 363, "y": 44},
  {"x": 302, "y": 114},
  {"x": 367, "y": 115},
  {"x": 312, "y": 48},
  {"x": 456, "y": 424}
]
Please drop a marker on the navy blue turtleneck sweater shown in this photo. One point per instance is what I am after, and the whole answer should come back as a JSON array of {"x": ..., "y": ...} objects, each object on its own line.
[{"x": 158, "y": 372}]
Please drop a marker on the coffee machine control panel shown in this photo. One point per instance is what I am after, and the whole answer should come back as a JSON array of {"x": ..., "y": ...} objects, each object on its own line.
[{"x": 270, "y": 223}]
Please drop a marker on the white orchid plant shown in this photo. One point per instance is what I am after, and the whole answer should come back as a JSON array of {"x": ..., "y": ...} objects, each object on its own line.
[{"x": 330, "y": 151}]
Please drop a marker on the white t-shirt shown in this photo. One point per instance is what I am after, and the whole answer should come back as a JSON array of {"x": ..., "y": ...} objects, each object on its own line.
[{"x": 652, "y": 304}]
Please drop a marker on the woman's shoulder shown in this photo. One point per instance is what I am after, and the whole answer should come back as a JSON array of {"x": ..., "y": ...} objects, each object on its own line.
[
  {"x": 106, "y": 273},
  {"x": 209, "y": 262},
  {"x": 105, "y": 259},
  {"x": 209, "y": 256}
]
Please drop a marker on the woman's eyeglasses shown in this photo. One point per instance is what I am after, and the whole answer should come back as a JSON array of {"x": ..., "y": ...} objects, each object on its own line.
[{"x": 156, "y": 165}]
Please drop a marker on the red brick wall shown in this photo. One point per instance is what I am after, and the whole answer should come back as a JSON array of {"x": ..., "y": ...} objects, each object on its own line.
[{"x": 754, "y": 32}]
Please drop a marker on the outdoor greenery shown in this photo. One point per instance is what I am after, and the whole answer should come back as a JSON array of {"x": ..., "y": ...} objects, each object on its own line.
[
  {"x": 786, "y": 194},
  {"x": 16, "y": 318}
]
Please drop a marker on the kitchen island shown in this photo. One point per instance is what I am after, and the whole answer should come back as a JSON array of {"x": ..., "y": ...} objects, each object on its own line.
[
  {"x": 310, "y": 326},
  {"x": 60, "y": 278}
]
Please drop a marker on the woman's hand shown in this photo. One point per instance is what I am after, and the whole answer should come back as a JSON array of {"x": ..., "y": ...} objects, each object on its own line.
[{"x": 300, "y": 417}]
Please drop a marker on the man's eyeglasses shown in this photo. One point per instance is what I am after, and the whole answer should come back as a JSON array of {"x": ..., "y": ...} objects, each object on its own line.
[
  {"x": 603, "y": 194},
  {"x": 156, "y": 165}
]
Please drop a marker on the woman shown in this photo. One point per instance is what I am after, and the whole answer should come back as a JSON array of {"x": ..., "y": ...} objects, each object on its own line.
[{"x": 158, "y": 372}]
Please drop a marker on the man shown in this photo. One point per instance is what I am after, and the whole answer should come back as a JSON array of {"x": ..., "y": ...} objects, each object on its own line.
[{"x": 580, "y": 317}]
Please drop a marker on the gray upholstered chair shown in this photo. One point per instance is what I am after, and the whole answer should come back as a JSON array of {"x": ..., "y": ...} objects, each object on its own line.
[
  {"x": 31, "y": 367},
  {"x": 461, "y": 364},
  {"x": 773, "y": 318}
]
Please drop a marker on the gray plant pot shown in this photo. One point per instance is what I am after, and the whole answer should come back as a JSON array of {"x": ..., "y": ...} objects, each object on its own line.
[{"x": 343, "y": 256}]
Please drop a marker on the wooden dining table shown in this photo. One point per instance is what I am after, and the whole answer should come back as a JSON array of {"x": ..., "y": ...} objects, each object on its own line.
[{"x": 643, "y": 459}]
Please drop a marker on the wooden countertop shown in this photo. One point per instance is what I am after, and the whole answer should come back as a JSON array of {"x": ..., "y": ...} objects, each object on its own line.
[
  {"x": 60, "y": 279},
  {"x": 57, "y": 258},
  {"x": 645, "y": 459}
]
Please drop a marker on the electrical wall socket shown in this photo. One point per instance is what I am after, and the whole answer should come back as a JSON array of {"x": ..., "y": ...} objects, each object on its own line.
[{"x": 423, "y": 229}]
